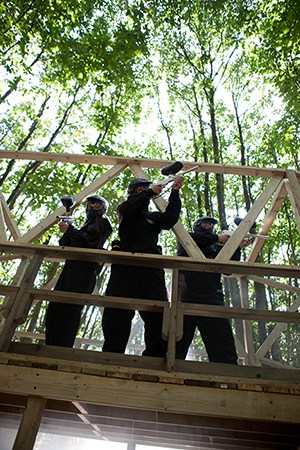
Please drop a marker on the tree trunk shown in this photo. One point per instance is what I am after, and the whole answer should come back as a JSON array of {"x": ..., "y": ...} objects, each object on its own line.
[
  {"x": 24, "y": 142},
  {"x": 32, "y": 167},
  {"x": 207, "y": 203},
  {"x": 217, "y": 159},
  {"x": 246, "y": 189}
]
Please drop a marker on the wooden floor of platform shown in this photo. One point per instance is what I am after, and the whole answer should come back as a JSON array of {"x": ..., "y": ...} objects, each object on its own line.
[{"x": 134, "y": 399}]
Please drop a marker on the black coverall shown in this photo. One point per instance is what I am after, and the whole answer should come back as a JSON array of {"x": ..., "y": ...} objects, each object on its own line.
[
  {"x": 63, "y": 319},
  {"x": 139, "y": 231},
  {"x": 206, "y": 288}
]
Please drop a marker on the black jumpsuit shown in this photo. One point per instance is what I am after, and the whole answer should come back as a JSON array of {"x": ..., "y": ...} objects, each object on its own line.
[
  {"x": 206, "y": 288},
  {"x": 139, "y": 231},
  {"x": 63, "y": 319}
]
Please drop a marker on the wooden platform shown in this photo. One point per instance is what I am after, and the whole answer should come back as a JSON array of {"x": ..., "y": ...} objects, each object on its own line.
[{"x": 131, "y": 398}]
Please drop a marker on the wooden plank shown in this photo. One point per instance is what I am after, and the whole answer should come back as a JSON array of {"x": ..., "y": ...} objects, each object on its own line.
[
  {"x": 157, "y": 396},
  {"x": 293, "y": 188},
  {"x": 272, "y": 363},
  {"x": 148, "y": 260},
  {"x": 143, "y": 162},
  {"x": 291, "y": 316},
  {"x": 21, "y": 303},
  {"x": 47, "y": 223},
  {"x": 194, "y": 309},
  {"x": 30, "y": 423},
  {"x": 276, "y": 332},
  {"x": 3, "y": 236},
  {"x": 275, "y": 284},
  {"x": 82, "y": 414},
  {"x": 173, "y": 322},
  {"x": 233, "y": 242},
  {"x": 99, "y": 300},
  {"x": 268, "y": 220},
  {"x": 8, "y": 302},
  {"x": 5, "y": 290},
  {"x": 247, "y": 325},
  {"x": 10, "y": 221},
  {"x": 37, "y": 355}
]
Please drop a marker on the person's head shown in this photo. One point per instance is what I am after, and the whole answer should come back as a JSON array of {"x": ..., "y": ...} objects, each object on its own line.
[
  {"x": 138, "y": 185},
  {"x": 204, "y": 224},
  {"x": 96, "y": 206}
]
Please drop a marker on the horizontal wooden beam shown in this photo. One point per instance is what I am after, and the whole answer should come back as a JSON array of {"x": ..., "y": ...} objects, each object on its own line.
[
  {"x": 99, "y": 300},
  {"x": 143, "y": 162},
  {"x": 155, "y": 305},
  {"x": 168, "y": 397},
  {"x": 114, "y": 364},
  {"x": 148, "y": 260},
  {"x": 240, "y": 313}
]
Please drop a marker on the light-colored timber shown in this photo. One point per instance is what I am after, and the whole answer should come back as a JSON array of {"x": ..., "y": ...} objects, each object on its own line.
[{"x": 131, "y": 398}]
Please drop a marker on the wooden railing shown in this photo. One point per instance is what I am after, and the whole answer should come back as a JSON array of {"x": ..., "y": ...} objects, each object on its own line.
[{"x": 19, "y": 297}]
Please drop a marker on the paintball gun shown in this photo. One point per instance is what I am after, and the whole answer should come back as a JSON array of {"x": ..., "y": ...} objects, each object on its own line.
[
  {"x": 252, "y": 235},
  {"x": 172, "y": 172},
  {"x": 67, "y": 201}
]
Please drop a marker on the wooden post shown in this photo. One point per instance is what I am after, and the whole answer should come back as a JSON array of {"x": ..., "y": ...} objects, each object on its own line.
[
  {"x": 30, "y": 423},
  {"x": 3, "y": 236},
  {"x": 293, "y": 188},
  {"x": 248, "y": 331},
  {"x": 8, "y": 301},
  {"x": 21, "y": 304},
  {"x": 8, "y": 217},
  {"x": 173, "y": 322}
]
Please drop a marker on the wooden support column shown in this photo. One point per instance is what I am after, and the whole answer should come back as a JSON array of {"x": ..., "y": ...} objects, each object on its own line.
[
  {"x": 248, "y": 330},
  {"x": 21, "y": 304},
  {"x": 173, "y": 322},
  {"x": 30, "y": 423}
]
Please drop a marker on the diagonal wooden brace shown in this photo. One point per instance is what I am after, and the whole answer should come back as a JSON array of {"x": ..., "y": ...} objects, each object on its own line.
[{"x": 21, "y": 304}]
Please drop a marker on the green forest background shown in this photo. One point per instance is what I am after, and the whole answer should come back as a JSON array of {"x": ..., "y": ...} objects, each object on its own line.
[{"x": 208, "y": 81}]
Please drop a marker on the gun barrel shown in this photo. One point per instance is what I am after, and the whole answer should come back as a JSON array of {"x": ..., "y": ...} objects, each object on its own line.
[
  {"x": 172, "y": 177},
  {"x": 249, "y": 235}
]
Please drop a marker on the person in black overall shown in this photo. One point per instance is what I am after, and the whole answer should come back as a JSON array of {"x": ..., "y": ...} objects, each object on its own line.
[
  {"x": 206, "y": 288},
  {"x": 63, "y": 319},
  {"x": 139, "y": 231}
]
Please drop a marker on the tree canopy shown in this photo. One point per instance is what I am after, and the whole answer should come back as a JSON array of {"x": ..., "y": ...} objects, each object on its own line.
[{"x": 206, "y": 81}]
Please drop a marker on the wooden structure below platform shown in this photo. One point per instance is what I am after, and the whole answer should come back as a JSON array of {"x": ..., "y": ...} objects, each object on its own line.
[{"x": 134, "y": 399}]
